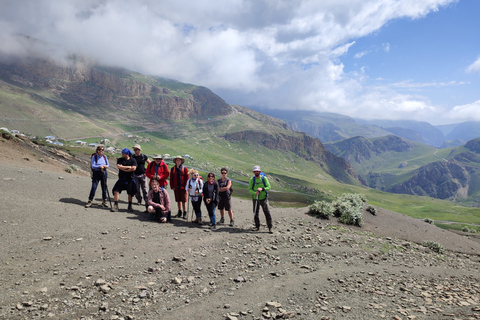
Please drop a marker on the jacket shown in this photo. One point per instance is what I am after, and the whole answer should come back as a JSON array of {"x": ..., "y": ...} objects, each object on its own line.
[
  {"x": 215, "y": 197},
  {"x": 259, "y": 184},
  {"x": 162, "y": 172},
  {"x": 183, "y": 177}
]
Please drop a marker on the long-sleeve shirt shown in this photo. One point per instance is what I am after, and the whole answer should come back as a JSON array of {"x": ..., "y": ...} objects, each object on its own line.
[
  {"x": 259, "y": 184},
  {"x": 98, "y": 161},
  {"x": 164, "y": 200}
]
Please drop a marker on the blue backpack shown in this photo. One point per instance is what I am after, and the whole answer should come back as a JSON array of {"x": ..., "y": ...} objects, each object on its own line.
[{"x": 262, "y": 175}]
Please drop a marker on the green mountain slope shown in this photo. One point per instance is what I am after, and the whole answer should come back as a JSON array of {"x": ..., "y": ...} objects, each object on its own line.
[{"x": 41, "y": 101}]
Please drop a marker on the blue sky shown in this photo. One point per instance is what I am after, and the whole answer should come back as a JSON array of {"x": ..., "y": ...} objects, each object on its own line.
[{"x": 373, "y": 59}]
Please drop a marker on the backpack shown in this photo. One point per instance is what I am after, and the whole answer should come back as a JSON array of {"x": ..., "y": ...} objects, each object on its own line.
[
  {"x": 190, "y": 182},
  {"x": 262, "y": 175},
  {"x": 96, "y": 159}
]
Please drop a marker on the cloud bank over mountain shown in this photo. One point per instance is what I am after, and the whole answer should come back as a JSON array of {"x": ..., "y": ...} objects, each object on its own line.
[{"x": 313, "y": 55}]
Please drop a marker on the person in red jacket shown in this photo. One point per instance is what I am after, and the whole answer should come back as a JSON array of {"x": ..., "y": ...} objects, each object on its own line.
[
  {"x": 178, "y": 180},
  {"x": 157, "y": 170}
]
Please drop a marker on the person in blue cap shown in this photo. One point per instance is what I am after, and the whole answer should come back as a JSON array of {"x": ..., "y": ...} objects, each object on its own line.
[{"x": 126, "y": 167}]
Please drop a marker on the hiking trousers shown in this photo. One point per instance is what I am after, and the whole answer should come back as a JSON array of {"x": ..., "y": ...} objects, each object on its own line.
[
  {"x": 141, "y": 181},
  {"x": 97, "y": 176},
  {"x": 264, "y": 204}
]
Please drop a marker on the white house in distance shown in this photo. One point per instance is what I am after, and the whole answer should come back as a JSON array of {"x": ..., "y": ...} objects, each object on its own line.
[
  {"x": 80, "y": 142},
  {"x": 51, "y": 138}
]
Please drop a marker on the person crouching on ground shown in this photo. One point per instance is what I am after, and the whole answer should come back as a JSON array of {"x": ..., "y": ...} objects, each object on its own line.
[
  {"x": 194, "y": 188},
  {"x": 126, "y": 166},
  {"x": 225, "y": 188},
  {"x": 158, "y": 203},
  {"x": 178, "y": 179},
  {"x": 258, "y": 188},
  {"x": 99, "y": 164},
  {"x": 139, "y": 174},
  {"x": 210, "y": 198}
]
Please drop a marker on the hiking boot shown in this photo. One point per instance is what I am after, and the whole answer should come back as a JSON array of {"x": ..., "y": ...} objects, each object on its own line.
[
  {"x": 222, "y": 220},
  {"x": 231, "y": 223},
  {"x": 89, "y": 204},
  {"x": 184, "y": 215},
  {"x": 270, "y": 230},
  {"x": 139, "y": 203},
  {"x": 104, "y": 203},
  {"x": 114, "y": 208},
  {"x": 179, "y": 214},
  {"x": 213, "y": 226},
  {"x": 130, "y": 209}
]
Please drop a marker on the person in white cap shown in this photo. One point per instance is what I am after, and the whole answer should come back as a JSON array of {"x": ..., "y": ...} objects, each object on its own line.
[{"x": 258, "y": 188}]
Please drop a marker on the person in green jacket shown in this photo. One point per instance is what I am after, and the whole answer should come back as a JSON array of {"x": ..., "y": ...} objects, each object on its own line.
[{"x": 258, "y": 188}]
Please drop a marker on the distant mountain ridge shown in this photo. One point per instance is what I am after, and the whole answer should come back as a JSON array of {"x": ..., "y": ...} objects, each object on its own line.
[{"x": 330, "y": 127}]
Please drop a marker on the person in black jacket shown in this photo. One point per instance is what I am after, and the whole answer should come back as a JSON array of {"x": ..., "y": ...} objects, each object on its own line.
[
  {"x": 139, "y": 174},
  {"x": 210, "y": 198}
]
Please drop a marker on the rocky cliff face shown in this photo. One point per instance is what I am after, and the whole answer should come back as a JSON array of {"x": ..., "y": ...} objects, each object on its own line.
[
  {"x": 359, "y": 149},
  {"x": 84, "y": 85},
  {"x": 442, "y": 179},
  {"x": 303, "y": 145}
]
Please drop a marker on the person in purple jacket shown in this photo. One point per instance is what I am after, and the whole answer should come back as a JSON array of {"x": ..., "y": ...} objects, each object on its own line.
[{"x": 99, "y": 165}]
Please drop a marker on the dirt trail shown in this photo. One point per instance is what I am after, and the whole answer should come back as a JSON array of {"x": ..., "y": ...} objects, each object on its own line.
[{"x": 61, "y": 260}]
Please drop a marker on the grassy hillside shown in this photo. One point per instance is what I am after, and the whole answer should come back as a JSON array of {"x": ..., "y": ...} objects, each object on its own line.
[{"x": 295, "y": 180}]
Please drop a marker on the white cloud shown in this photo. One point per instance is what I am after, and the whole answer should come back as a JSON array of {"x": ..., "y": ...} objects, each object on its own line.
[
  {"x": 474, "y": 67},
  {"x": 282, "y": 54},
  {"x": 465, "y": 112}
]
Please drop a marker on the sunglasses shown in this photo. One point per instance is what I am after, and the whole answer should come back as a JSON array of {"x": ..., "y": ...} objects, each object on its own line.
[
  {"x": 195, "y": 175},
  {"x": 224, "y": 173},
  {"x": 211, "y": 176},
  {"x": 100, "y": 149}
]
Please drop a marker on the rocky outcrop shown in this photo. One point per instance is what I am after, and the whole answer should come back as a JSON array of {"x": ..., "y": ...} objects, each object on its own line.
[
  {"x": 303, "y": 145},
  {"x": 360, "y": 149},
  {"x": 442, "y": 180},
  {"x": 85, "y": 87}
]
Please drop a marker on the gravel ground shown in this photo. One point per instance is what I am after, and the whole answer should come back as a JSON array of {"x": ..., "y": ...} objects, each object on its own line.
[{"x": 61, "y": 260}]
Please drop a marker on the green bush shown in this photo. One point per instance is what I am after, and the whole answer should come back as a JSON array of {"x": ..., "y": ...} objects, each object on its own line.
[
  {"x": 321, "y": 209},
  {"x": 356, "y": 199},
  {"x": 428, "y": 220},
  {"x": 372, "y": 210},
  {"x": 434, "y": 246},
  {"x": 340, "y": 207},
  {"x": 71, "y": 168},
  {"x": 351, "y": 215}
]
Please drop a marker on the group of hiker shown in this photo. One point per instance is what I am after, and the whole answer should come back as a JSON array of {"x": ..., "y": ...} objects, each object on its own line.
[{"x": 132, "y": 177}]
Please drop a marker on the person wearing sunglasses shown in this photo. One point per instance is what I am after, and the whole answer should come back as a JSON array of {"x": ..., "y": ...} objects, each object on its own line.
[
  {"x": 194, "y": 188},
  {"x": 210, "y": 198},
  {"x": 225, "y": 191},
  {"x": 99, "y": 164}
]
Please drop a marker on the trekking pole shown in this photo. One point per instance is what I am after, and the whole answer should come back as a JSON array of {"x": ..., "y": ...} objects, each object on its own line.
[
  {"x": 256, "y": 207},
  {"x": 106, "y": 187},
  {"x": 188, "y": 205}
]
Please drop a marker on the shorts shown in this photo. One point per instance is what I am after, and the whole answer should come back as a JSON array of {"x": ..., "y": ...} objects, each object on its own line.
[
  {"x": 180, "y": 195},
  {"x": 128, "y": 185},
  {"x": 225, "y": 203}
]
